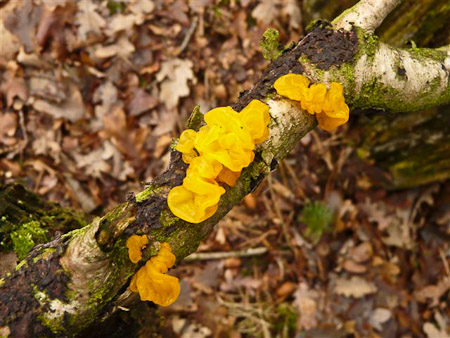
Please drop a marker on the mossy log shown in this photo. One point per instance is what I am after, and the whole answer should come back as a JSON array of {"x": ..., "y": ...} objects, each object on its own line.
[
  {"x": 424, "y": 22},
  {"x": 27, "y": 220},
  {"x": 82, "y": 277},
  {"x": 414, "y": 148}
]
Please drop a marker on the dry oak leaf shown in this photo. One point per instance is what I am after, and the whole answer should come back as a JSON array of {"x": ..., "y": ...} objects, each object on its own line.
[
  {"x": 123, "y": 48},
  {"x": 72, "y": 108},
  {"x": 265, "y": 12},
  {"x": 88, "y": 19},
  {"x": 174, "y": 76},
  {"x": 433, "y": 292},
  {"x": 10, "y": 44},
  {"x": 356, "y": 287},
  {"x": 306, "y": 303},
  {"x": 22, "y": 22},
  {"x": 433, "y": 331}
]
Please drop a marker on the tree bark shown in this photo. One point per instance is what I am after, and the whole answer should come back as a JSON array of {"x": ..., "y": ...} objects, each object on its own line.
[
  {"x": 413, "y": 147},
  {"x": 64, "y": 286}
]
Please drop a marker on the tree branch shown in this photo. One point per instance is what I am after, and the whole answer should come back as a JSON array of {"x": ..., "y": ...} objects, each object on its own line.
[{"x": 366, "y": 14}]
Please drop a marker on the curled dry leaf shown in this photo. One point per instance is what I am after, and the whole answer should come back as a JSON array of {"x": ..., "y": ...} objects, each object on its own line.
[{"x": 123, "y": 48}]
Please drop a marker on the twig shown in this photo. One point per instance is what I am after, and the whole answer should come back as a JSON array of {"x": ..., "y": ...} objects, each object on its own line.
[
  {"x": 367, "y": 14},
  {"x": 203, "y": 256},
  {"x": 188, "y": 36}
]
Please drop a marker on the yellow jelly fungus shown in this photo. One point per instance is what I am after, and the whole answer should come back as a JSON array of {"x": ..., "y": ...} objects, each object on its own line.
[
  {"x": 328, "y": 105},
  {"x": 152, "y": 283},
  {"x": 255, "y": 118},
  {"x": 229, "y": 177},
  {"x": 292, "y": 86},
  {"x": 135, "y": 244},
  {"x": 217, "y": 153}
]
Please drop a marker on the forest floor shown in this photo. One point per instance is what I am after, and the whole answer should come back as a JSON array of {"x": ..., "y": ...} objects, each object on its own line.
[{"x": 91, "y": 95}]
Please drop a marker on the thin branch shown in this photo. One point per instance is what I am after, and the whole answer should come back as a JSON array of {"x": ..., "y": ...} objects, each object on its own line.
[
  {"x": 204, "y": 256},
  {"x": 367, "y": 14}
]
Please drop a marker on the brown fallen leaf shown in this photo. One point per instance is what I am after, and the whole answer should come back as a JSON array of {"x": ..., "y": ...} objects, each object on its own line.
[
  {"x": 356, "y": 287},
  {"x": 10, "y": 44},
  {"x": 88, "y": 19},
  {"x": 306, "y": 303},
  {"x": 140, "y": 102},
  {"x": 174, "y": 76},
  {"x": 122, "y": 48},
  {"x": 433, "y": 292},
  {"x": 265, "y": 12},
  {"x": 22, "y": 22},
  {"x": 72, "y": 108},
  {"x": 362, "y": 253},
  {"x": 286, "y": 289}
]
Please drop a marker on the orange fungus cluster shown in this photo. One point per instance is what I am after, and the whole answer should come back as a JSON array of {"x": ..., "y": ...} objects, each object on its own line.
[
  {"x": 151, "y": 281},
  {"x": 135, "y": 244},
  {"x": 328, "y": 104},
  {"x": 216, "y": 154}
]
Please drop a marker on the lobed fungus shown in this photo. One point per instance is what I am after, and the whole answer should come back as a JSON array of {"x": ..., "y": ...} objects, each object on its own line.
[
  {"x": 151, "y": 281},
  {"x": 135, "y": 244},
  {"x": 216, "y": 154},
  {"x": 328, "y": 105}
]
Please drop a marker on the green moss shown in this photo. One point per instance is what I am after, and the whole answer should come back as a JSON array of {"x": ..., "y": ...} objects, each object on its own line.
[
  {"x": 21, "y": 264},
  {"x": 144, "y": 194},
  {"x": 115, "y": 7},
  {"x": 167, "y": 218},
  {"x": 286, "y": 323},
  {"x": 195, "y": 120},
  {"x": 318, "y": 219},
  {"x": 44, "y": 254},
  {"x": 25, "y": 237},
  {"x": 270, "y": 45}
]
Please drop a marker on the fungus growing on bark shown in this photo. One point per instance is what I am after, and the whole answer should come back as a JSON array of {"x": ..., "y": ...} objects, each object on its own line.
[
  {"x": 217, "y": 153},
  {"x": 327, "y": 104},
  {"x": 152, "y": 283},
  {"x": 135, "y": 244}
]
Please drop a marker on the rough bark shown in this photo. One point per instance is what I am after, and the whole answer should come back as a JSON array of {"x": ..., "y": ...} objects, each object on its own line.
[
  {"x": 20, "y": 207},
  {"x": 413, "y": 147},
  {"x": 65, "y": 285}
]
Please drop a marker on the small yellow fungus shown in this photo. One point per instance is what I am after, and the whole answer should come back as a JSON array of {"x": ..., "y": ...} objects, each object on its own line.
[
  {"x": 328, "y": 105},
  {"x": 229, "y": 177},
  {"x": 255, "y": 118},
  {"x": 152, "y": 283},
  {"x": 217, "y": 153},
  {"x": 186, "y": 145},
  {"x": 135, "y": 244},
  {"x": 292, "y": 86}
]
